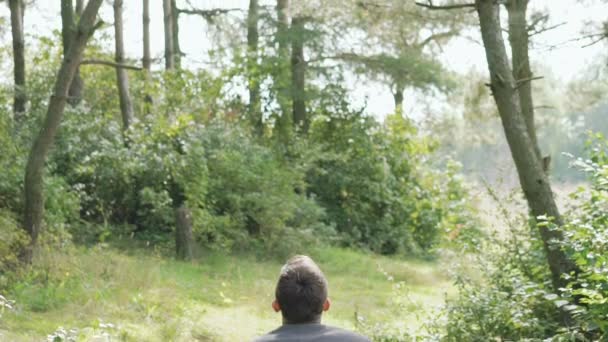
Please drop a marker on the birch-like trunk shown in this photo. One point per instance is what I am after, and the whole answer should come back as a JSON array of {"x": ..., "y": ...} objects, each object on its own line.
[
  {"x": 298, "y": 75},
  {"x": 253, "y": 36},
  {"x": 169, "y": 44},
  {"x": 33, "y": 187},
  {"x": 520, "y": 42},
  {"x": 177, "y": 51},
  {"x": 68, "y": 28},
  {"x": 122, "y": 78},
  {"x": 20, "y": 95},
  {"x": 147, "y": 59},
  {"x": 533, "y": 180}
]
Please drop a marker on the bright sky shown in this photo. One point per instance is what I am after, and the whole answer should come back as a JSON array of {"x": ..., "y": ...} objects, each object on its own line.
[{"x": 554, "y": 49}]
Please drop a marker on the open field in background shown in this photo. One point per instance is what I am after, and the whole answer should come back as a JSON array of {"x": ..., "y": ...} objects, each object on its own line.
[
  {"x": 505, "y": 205},
  {"x": 143, "y": 297}
]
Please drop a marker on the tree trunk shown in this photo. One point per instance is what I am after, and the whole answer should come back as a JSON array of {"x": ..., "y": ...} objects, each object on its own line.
[
  {"x": 77, "y": 86},
  {"x": 68, "y": 26},
  {"x": 184, "y": 242},
  {"x": 79, "y": 7},
  {"x": 533, "y": 180},
  {"x": 519, "y": 39},
  {"x": 147, "y": 59},
  {"x": 177, "y": 51},
  {"x": 20, "y": 96},
  {"x": 298, "y": 75},
  {"x": 398, "y": 97},
  {"x": 255, "y": 110},
  {"x": 122, "y": 79},
  {"x": 281, "y": 78},
  {"x": 169, "y": 45},
  {"x": 33, "y": 187}
]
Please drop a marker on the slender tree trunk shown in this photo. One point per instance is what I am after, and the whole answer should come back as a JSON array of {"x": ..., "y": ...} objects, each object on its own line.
[
  {"x": 298, "y": 75},
  {"x": 184, "y": 241},
  {"x": 20, "y": 96},
  {"x": 33, "y": 187},
  {"x": 533, "y": 180},
  {"x": 169, "y": 44},
  {"x": 519, "y": 39},
  {"x": 177, "y": 51},
  {"x": 147, "y": 59},
  {"x": 77, "y": 86},
  {"x": 282, "y": 82},
  {"x": 68, "y": 26},
  {"x": 398, "y": 97},
  {"x": 122, "y": 78},
  {"x": 255, "y": 105}
]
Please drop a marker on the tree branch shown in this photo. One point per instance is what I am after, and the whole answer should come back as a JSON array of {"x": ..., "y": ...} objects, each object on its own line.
[
  {"x": 523, "y": 81},
  {"x": 431, "y": 6},
  {"x": 208, "y": 15},
  {"x": 110, "y": 64},
  {"x": 599, "y": 38},
  {"x": 96, "y": 27},
  {"x": 533, "y": 31},
  {"x": 436, "y": 36}
]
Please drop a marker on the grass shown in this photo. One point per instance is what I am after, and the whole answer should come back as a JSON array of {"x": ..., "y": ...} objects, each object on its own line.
[{"x": 144, "y": 297}]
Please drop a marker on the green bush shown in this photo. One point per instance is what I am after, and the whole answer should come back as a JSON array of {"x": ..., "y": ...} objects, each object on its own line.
[
  {"x": 256, "y": 193},
  {"x": 12, "y": 240},
  {"x": 514, "y": 301},
  {"x": 377, "y": 185},
  {"x": 587, "y": 243},
  {"x": 237, "y": 188}
]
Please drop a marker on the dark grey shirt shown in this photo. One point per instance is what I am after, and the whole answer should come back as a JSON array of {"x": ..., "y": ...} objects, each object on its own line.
[{"x": 311, "y": 332}]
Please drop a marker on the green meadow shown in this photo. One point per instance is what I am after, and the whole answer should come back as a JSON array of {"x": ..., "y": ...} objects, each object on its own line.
[{"x": 105, "y": 294}]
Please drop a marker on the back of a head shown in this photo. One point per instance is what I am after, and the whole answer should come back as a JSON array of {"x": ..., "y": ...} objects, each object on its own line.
[{"x": 301, "y": 290}]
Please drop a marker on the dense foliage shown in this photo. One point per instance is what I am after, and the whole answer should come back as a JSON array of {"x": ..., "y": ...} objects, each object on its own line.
[{"x": 351, "y": 181}]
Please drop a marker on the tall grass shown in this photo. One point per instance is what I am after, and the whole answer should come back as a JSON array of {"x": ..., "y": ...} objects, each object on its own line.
[{"x": 144, "y": 296}]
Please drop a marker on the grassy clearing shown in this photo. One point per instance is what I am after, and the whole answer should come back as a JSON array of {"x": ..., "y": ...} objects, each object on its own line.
[{"x": 144, "y": 297}]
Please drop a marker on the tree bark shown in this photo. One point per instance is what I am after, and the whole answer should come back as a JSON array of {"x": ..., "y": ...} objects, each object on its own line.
[
  {"x": 298, "y": 75},
  {"x": 33, "y": 187},
  {"x": 533, "y": 180},
  {"x": 519, "y": 39},
  {"x": 20, "y": 96},
  {"x": 68, "y": 26},
  {"x": 177, "y": 51},
  {"x": 79, "y": 7},
  {"x": 184, "y": 242},
  {"x": 255, "y": 105},
  {"x": 147, "y": 59},
  {"x": 122, "y": 78},
  {"x": 169, "y": 45},
  {"x": 281, "y": 79}
]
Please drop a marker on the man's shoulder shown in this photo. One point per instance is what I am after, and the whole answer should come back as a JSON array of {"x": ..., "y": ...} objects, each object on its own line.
[
  {"x": 316, "y": 332},
  {"x": 344, "y": 334}
]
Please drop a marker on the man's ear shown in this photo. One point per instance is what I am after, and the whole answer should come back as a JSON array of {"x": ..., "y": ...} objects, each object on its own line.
[
  {"x": 275, "y": 306},
  {"x": 326, "y": 305}
]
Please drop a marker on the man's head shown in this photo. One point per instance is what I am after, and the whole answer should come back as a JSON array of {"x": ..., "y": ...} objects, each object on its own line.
[{"x": 301, "y": 293}]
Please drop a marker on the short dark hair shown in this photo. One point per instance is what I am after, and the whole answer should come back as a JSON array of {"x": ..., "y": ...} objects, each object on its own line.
[{"x": 301, "y": 290}]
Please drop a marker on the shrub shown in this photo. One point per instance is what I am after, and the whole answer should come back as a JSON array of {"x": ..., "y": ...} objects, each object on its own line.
[
  {"x": 12, "y": 240},
  {"x": 255, "y": 194},
  {"x": 515, "y": 300},
  {"x": 377, "y": 185}
]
